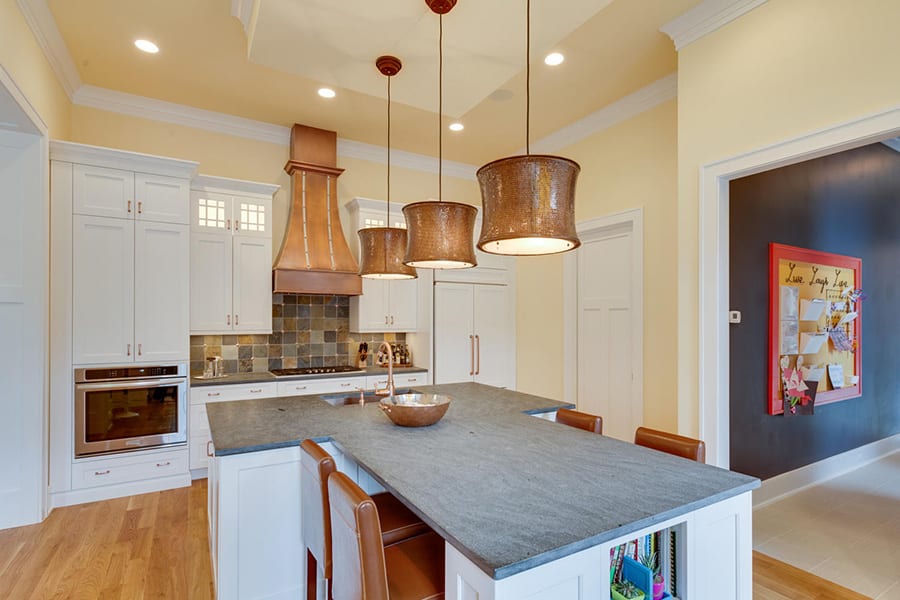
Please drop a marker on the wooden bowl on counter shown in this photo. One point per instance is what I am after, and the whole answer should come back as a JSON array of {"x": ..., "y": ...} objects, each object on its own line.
[{"x": 415, "y": 410}]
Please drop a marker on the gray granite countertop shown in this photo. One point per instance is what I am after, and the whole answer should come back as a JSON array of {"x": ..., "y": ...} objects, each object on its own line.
[
  {"x": 237, "y": 378},
  {"x": 508, "y": 490}
]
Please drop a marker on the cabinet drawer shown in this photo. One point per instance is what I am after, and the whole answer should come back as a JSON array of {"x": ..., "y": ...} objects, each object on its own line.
[
  {"x": 302, "y": 387},
  {"x": 128, "y": 468},
  {"x": 242, "y": 391},
  {"x": 400, "y": 381}
]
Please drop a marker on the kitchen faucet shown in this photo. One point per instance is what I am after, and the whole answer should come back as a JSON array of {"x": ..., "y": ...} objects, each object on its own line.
[{"x": 389, "y": 388}]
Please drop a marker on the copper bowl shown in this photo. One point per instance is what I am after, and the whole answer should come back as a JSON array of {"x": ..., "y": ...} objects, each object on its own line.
[{"x": 415, "y": 410}]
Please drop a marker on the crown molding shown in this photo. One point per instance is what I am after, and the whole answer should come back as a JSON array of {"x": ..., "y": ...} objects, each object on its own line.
[
  {"x": 706, "y": 18},
  {"x": 121, "y": 159},
  {"x": 242, "y": 10},
  {"x": 226, "y": 185},
  {"x": 661, "y": 90},
  {"x": 43, "y": 27},
  {"x": 893, "y": 143},
  {"x": 404, "y": 160},
  {"x": 179, "y": 114}
]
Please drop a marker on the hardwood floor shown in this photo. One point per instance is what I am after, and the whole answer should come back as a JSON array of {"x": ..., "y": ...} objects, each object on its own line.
[
  {"x": 148, "y": 546},
  {"x": 155, "y": 546}
]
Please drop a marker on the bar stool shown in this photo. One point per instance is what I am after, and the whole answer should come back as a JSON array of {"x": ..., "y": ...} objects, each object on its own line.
[
  {"x": 397, "y": 522},
  {"x": 364, "y": 567},
  {"x": 581, "y": 420},
  {"x": 678, "y": 445}
]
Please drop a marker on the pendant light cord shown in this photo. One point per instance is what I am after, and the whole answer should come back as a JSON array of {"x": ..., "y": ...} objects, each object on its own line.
[
  {"x": 388, "y": 219},
  {"x": 440, "y": 106},
  {"x": 528, "y": 77}
]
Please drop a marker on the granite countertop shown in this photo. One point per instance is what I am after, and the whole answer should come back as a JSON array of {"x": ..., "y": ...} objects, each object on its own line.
[
  {"x": 508, "y": 490},
  {"x": 237, "y": 378}
]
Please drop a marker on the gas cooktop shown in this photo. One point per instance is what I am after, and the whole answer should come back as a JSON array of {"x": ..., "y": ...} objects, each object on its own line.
[{"x": 314, "y": 371}]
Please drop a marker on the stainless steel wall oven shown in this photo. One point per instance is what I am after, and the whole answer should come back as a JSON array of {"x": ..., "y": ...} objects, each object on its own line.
[{"x": 130, "y": 408}]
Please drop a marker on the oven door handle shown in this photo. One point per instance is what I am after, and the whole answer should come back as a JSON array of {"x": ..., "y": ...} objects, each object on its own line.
[{"x": 130, "y": 385}]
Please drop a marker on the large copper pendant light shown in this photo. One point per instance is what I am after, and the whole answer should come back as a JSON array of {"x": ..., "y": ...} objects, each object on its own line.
[
  {"x": 381, "y": 249},
  {"x": 528, "y": 201},
  {"x": 440, "y": 233}
]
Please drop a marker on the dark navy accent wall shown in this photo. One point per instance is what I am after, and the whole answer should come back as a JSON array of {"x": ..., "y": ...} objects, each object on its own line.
[{"x": 847, "y": 203}]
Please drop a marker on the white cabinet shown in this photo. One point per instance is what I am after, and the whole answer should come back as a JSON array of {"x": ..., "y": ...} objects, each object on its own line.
[
  {"x": 130, "y": 291},
  {"x": 231, "y": 256},
  {"x": 474, "y": 334},
  {"x": 385, "y": 305},
  {"x": 199, "y": 441},
  {"x": 121, "y": 194}
]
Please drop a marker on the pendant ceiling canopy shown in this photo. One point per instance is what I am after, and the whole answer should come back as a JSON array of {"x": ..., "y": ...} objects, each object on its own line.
[
  {"x": 382, "y": 249},
  {"x": 440, "y": 233},
  {"x": 528, "y": 201}
]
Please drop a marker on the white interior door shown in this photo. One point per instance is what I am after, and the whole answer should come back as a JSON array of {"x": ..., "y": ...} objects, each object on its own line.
[
  {"x": 608, "y": 376},
  {"x": 454, "y": 338},
  {"x": 23, "y": 320}
]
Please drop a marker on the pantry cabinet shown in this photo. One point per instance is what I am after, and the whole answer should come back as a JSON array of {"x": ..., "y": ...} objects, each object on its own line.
[
  {"x": 385, "y": 305},
  {"x": 231, "y": 256}
]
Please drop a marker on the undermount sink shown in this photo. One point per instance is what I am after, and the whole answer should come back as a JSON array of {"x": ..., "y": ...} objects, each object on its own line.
[{"x": 345, "y": 399}]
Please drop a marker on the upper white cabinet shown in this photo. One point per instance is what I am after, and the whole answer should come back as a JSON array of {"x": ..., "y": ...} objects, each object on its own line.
[
  {"x": 121, "y": 194},
  {"x": 231, "y": 256},
  {"x": 385, "y": 305},
  {"x": 474, "y": 334},
  {"x": 129, "y": 253}
]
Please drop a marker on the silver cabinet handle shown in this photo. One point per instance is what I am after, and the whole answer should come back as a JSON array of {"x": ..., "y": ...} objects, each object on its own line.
[
  {"x": 412, "y": 379},
  {"x": 299, "y": 387},
  {"x": 106, "y": 472},
  {"x": 128, "y": 350},
  {"x": 165, "y": 464},
  {"x": 346, "y": 384},
  {"x": 213, "y": 394},
  {"x": 256, "y": 391},
  {"x": 208, "y": 450},
  {"x": 477, "y": 354},
  {"x": 471, "y": 355}
]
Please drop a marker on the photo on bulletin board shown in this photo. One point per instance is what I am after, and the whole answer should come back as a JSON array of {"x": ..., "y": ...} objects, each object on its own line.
[{"x": 815, "y": 315}]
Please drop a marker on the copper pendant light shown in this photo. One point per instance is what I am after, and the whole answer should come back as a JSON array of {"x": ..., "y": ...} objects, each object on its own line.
[
  {"x": 381, "y": 249},
  {"x": 440, "y": 233},
  {"x": 528, "y": 201}
]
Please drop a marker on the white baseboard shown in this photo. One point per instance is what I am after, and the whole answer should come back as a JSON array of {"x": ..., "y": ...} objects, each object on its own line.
[
  {"x": 797, "y": 480},
  {"x": 107, "y": 492},
  {"x": 198, "y": 474}
]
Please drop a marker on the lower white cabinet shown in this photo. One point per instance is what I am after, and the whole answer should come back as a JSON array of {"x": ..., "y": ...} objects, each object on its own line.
[
  {"x": 474, "y": 334},
  {"x": 128, "y": 467}
]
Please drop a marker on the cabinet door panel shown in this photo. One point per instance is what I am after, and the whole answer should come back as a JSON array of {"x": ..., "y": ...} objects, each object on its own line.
[
  {"x": 211, "y": 282},
  {"x": 453, "y": 336},
  {"x": 252, "y": 294},
  {"x": 494, "y": 350},
  {"x": 103, "y": 192},
  {"x": 403, "y": 303},
  {"x": 252, "y": 216},
  {"x": 369, "y": 313},
  {"x": 161, "y": 199},
  {"x": 103, "y": 290},
  {"x": 210, "y": 212},
  {"x": 161, "y": 286}
]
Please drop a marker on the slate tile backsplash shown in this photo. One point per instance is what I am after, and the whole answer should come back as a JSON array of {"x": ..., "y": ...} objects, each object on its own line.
[{"x": 307, "y": 331}]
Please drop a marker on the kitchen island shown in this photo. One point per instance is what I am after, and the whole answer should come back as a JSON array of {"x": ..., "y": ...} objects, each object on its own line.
[{"x": 529, "y": 508}]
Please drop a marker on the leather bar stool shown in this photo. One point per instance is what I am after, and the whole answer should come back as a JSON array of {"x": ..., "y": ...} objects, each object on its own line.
[
  {"x": 397, "y": 522},
  {"x": 581, "y": 420},
  {"x": 671, "y": 443},
  {"x": 364, "y": 567}
]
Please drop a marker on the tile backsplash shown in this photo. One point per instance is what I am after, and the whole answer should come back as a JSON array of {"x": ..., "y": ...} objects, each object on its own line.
[{"x": 307, "y": 331}]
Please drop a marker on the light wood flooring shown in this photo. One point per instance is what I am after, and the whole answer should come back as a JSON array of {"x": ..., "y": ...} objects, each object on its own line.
[{"x": 155, "y": 546}]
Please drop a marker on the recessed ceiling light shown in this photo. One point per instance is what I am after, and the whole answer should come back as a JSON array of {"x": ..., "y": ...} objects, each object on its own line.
[
  {"x": 327, "y": 93},
  {"x": 457, "y": 126},
  {"x": 554, "y": 58},
  {"x": 146, "y": 46}
]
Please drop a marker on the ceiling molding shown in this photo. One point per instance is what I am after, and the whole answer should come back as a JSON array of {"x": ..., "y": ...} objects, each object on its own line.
[
  {"x": 244, "y": 11},
  {"x": 661, "y": 90},
  {"x": 405, "y": 160},
  {"x": 121, "y": 159},
  {"x": 179, "y": 114},
  {"x": 893, "y": 143},
  {"x": 706, "y": 18},
  {"x": 43, "y": 26}
]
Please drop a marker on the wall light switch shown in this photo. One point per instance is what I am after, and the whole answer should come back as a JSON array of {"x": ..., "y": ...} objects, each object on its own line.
[{"x": 734, "y": 316}]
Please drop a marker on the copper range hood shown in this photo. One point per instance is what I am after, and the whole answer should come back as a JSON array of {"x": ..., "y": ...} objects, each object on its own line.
[{"x": 314, "y": 256}]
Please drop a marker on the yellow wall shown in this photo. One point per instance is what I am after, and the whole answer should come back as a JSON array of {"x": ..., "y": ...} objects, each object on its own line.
[
  {"x": 228, "y": 156},
  {"x": 786, "y": 68},
  {"x": 627, "y": 166},
  {"x": 24, "y": 60}
]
